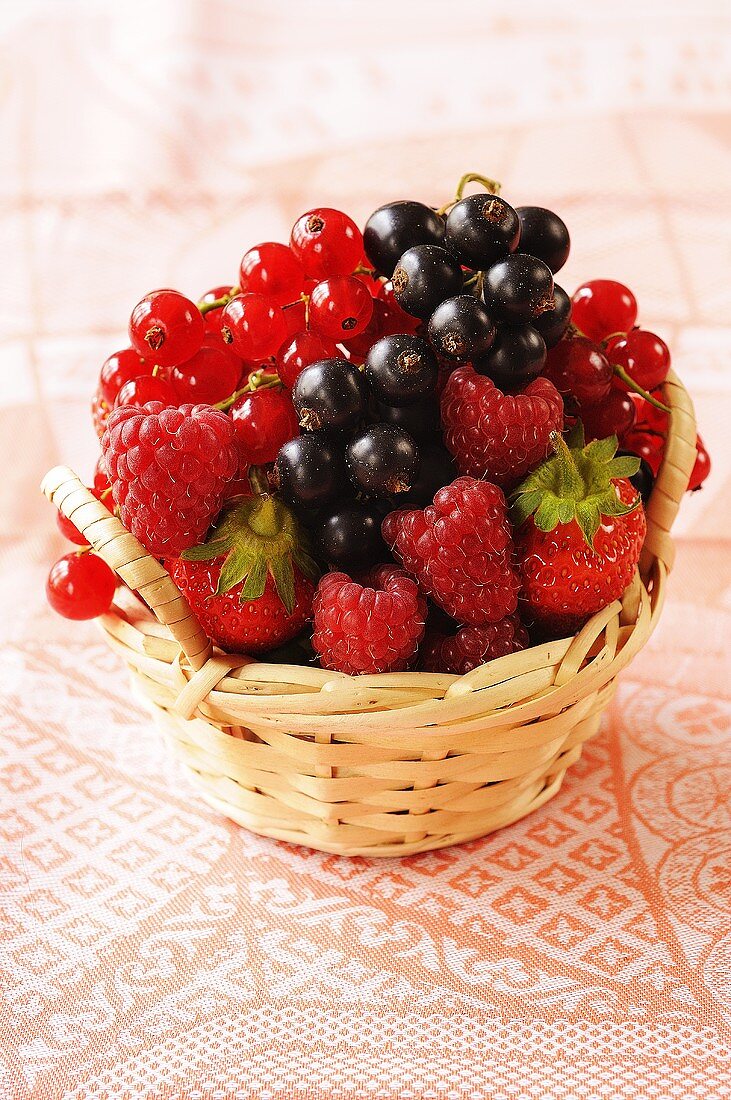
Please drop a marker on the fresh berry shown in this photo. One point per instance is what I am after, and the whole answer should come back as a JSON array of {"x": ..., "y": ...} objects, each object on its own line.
[
  {"x": 643, "y": 356},
  {"x": 326, "y": 242},
  {"x": 211, "y": 375},
  {"x": 578, "y": 367},
  {"x": 371, "y": 627},
  {"x": 253, "y": 326},
  {"x": 123, "y": 366},
  {"x": 263, "y": 421},
  {"x": 401, "y": 369},
  {"x": 168, "y": 468},
  {"x": 330, "y": 395},
  {"x": 310, "y": 471},
  {"x": 303, "y": 349},
  {"x": 150, "y": 387},
  {"x": 701, "y": 468},
  {"x": 543, "y": 234},
  {"x": 420, "y": 420},
  {"x": 212, "y": 317},
  {"x": 394, "y": 228},
  {"x": 424, "y": 276},
  {"x": 436, "y": 469},
  {"x": 461, "y": 328},
  {"x": 340, "y": 307},
  {"x": 644, "y": 479},
  {"x": 495, "y": 435},
  {"x": 272, "y": 270},
  {"x": 615, "y": 414},
  {"x": 295, "y": 316},
  {"x": 251, "y": 583},
  {"x": 648, "y": 446},
  {"x": 100, "y": 480},
  {"x": 69, "y": 530},
  {"x": 382, "y": 322},
  {"x": 80, "y": 586},
  {"x": 473, "y": 646},
  {"x": 399, "y": 319},
  {"x": 553, "y": 323},
  {"x": 460, "y": 550},
  {"x": 603, "y": 307},
  {"x": 518, "y": 288},
  {"x": 382, "y": 460},
  {"x": 349, "y": 536},
  {"x": 480, "y": 230},
  {"x": 517, "y": 356},
  {"x": 166, "y": 327},
  {"x": 100, "y": 410}
]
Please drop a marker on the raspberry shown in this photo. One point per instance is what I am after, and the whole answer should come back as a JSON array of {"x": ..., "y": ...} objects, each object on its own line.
[
  {"x": 472, "y": 646},
  {"x": 168, "y": 468},
  {"x": 375, "y": 626},
  {"x": 460, "y": 550},
  {"x": 494, "y": 435}
]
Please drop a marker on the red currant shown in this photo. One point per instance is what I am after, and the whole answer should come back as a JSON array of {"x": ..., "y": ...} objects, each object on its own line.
[
  {"x": 101, "y": 479},
  {"x": 212, "y": 318},
  {"x": 644, "y": 356},
  {"x": 210, "y": 376},
  {"x": 166, "y": 327},
  {"x": 648, "y": 417},
  {"x": 301, "y": 351},
  {"x": 340, "y": 307},
  {"x": 253, "y": 326},
  {"x": 295, "y": 318},
  {"x": 273, "y": 270},
  {"x": 602, "y": 307},
  {"x": 702, "y": 467},
  {"x": 579, "y": 367},
  {"x": 119, "y": 368},
  {"x": 647, "y": 445},
  {"x": 406, "y": 322},
  {"x": 263, "y": 421},
  {"x": 69, "y": 530},
  {"x": 148, "y": 388},
  {"x": 80, "y": 586},
  {"x": 380, "y": 321},
  {"x": 615, "y": 414},
  {"x": 326, "y": 242}
]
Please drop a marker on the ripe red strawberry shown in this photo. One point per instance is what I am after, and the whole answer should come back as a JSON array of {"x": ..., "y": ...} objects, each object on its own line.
[
  {"x": 374, "y": 626},
  {"x": 168, "y": 469},
  {"x": 580, "y": 526},
  {"x": 494, "y": 435},
  {"x": 460, "y": 550},
  {"x": 251, "y": 584},
  {"x": 472, "y": 646}
]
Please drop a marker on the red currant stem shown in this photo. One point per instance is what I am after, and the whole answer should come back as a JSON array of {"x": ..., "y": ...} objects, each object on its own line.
[
  {"x": 258, "y": 481},
  {"x": 156, "y": 370},
  {"x": 218, "y": 303},
  {"x": 362, "y": 270},
  {"x": 632, "y": 385},
  {"x": 259, "y": 380}
]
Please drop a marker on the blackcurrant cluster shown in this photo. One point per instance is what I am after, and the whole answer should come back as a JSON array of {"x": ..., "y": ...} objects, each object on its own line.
[{"x": 479, "y": 276}]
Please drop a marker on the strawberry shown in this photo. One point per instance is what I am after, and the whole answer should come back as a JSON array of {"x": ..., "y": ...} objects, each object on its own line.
[
  {"x": 251, "y": 583},
  {"x": 580, "y": 528}
]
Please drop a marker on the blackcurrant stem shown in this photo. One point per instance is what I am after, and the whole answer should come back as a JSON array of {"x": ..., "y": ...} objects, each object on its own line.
[
  {"x": 632, "y": 385},
  {"x": 493, "y": 186},
  {"x": 218, "y": 303}
]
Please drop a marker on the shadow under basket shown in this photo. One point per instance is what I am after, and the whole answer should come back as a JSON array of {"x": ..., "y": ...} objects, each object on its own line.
[{"x": 379, "y": 765}]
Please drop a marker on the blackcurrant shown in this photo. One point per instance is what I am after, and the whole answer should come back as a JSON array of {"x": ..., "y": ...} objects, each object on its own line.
[
  {"x": 424, "y": 276},
  {"x": 480, "y": 230},
  {"x": 516, "y": 357},
  {"x": 329, "y": 394},
  {"x": 544, "y": 234},
  {"x": 393, "y": 228},
  {"x": 401, "y": 369},
  {"x": 461, "y": 328},
  {"x": 436, "y": 469},
  {"x": 382, "y": 460},
  {"x": 420, "y": 420},
  {"x": 350, "y": 536},
  {"x": 310, "y": 471},
  {"x": 644, "y": 479},
  {"x": 553, "y": 323},
  {"x": 518, "y": 288}
]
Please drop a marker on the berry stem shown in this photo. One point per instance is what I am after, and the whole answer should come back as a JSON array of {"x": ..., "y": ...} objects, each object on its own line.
[
  {"x": 218, "y": 303},
  {"x": 259, "y": 380},
  {"x": 632, "y": 385},
  {"x": 258, "y": 481},
  {"x": 493, "y": 186}
]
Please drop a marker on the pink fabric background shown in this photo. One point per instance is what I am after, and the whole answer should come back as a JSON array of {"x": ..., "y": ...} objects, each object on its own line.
[{"x": 151, "y": 949}]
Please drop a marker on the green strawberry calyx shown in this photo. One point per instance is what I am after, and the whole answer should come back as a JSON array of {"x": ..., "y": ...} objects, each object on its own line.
[
  {"x": 576, "y": 483},
  {"x": 260, "y": 538}
]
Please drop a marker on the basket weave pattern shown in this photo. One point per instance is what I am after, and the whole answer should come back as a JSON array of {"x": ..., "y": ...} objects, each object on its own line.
[{"x": 378, "y": 765}]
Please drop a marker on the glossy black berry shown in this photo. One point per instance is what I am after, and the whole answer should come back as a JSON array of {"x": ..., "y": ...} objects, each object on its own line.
[
  {"x": 480, "y": 230},
  {"x": 436, "y": 469},
  {"x": 518, "y": 288},
  {"x": 310, "y": 471},
  {"x": 420, "y": 420},
  {"x": 393, "y": 228},
  {"x": 644, "y": 479},
  {"x": 401, "y": 369},
  {"x": 461, "y": 328},
  {"x": 424, "y": 277},
  {"x": 329, "y": 394},
  {"x": 544, "y": 234},
  {"x": 553, "y": 323},
  {"x": 516, "y": 357},
  {"x": 382, "y": 460},
  {"x": 349, "y": 537}
]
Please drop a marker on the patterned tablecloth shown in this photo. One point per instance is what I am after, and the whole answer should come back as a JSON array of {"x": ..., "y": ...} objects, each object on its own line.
[{"x": 150, "y": 949}]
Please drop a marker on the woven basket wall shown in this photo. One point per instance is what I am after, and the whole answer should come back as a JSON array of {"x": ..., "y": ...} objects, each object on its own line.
[{"x": 378, "y": 765}]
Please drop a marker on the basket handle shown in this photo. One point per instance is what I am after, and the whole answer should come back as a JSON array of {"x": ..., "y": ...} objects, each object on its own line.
[{"x": 128, "y": 558}]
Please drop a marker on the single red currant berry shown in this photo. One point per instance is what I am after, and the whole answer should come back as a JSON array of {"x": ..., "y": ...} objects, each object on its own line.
[
  {"x": 340, "y": 307},
  {"x": 101, "y": 479},
  {"x": 253, "y": 326},
  {"x": 263, "y": 421},
  {"x": 212, "y": 318},
  {"x": 148, "y": 388},
  {"x": 69, "y": 530},
  {"x": 702, "y": 467},
  {"x": 579, "y": 367},
  {"x": 644, "y": 357},
  {"x": 80, "y": 586},
  {"x": 295, "y": 317},
  {"x": 210, "y": 376},
  {"x": 166, "y": 327},
  {"x": 326, "y": 242},
  {"x": 648, "y": 417},
  {"x": 273, "y": 270},
  {"x": 615, "y": 414},
  {"x": 602, "y": 307},
  {"x": 647, "y": 445},
  {"x": 301, "y": 351},
  {"x": 360, "y": 345},
  {"x": 119, "y": 368},
  {"x": 406, "y": 322}
]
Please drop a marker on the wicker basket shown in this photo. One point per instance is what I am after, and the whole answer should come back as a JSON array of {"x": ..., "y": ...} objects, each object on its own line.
[{"x": 378, "y": 765}]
